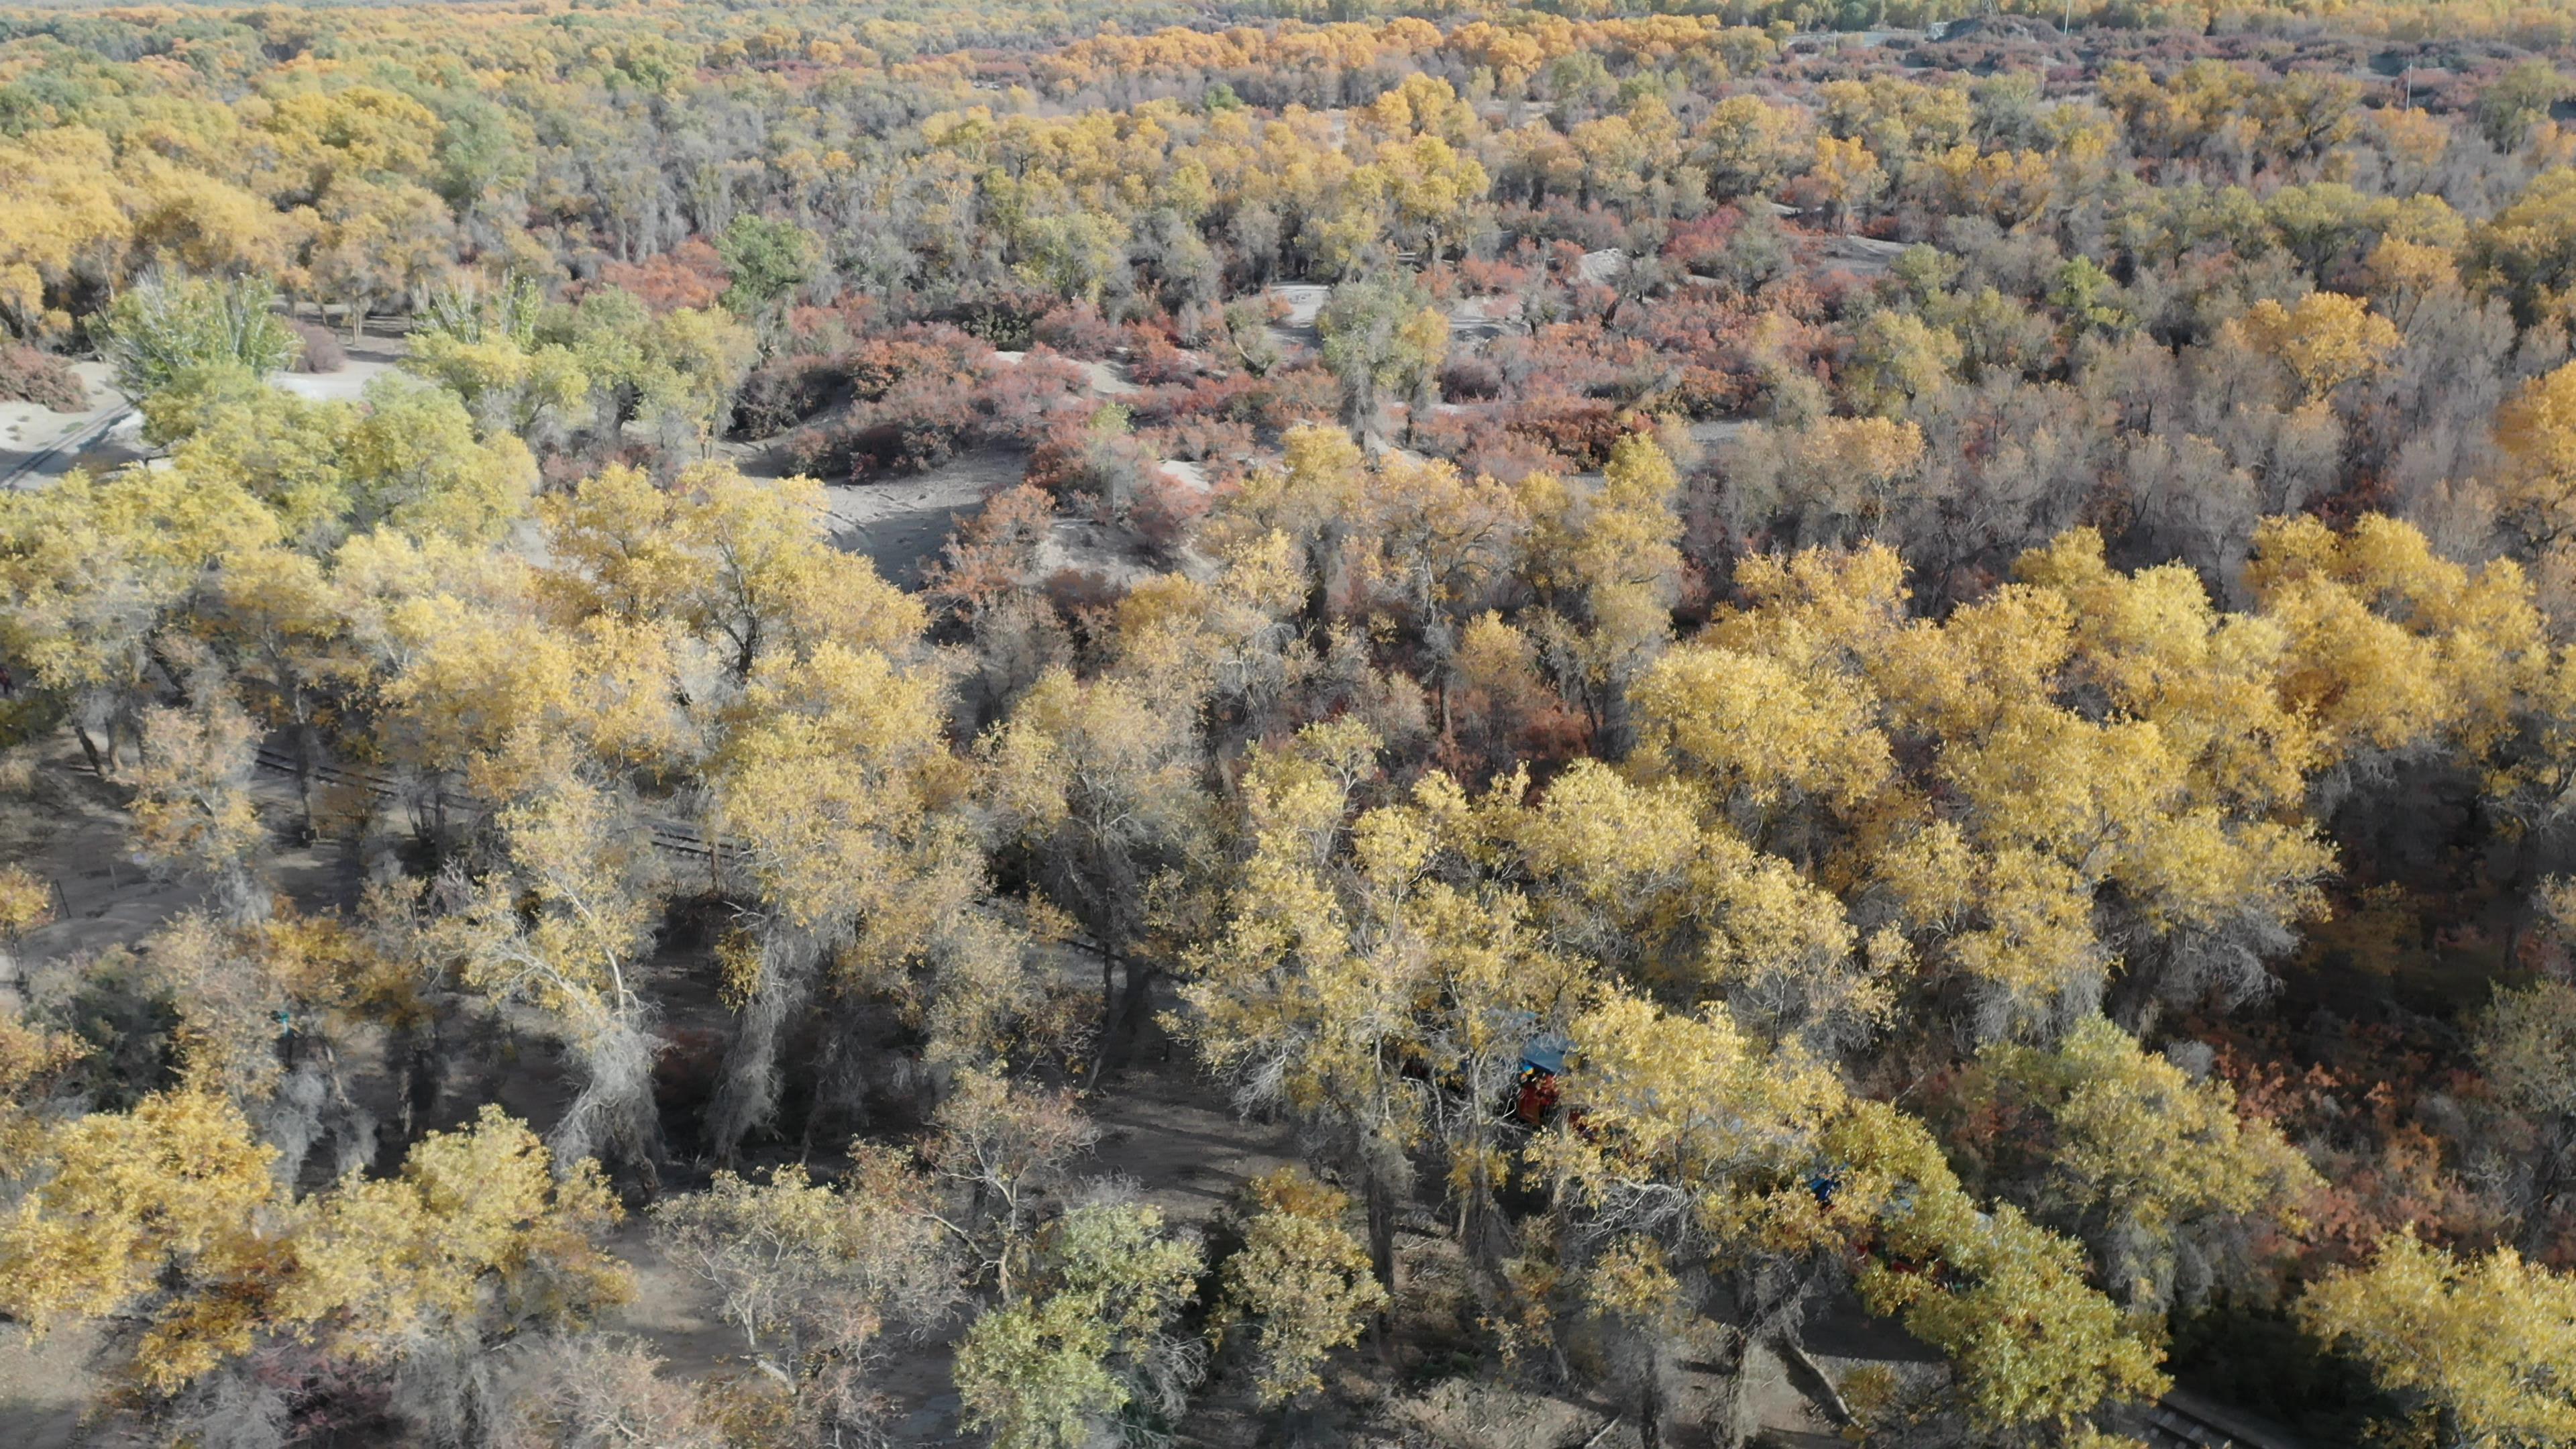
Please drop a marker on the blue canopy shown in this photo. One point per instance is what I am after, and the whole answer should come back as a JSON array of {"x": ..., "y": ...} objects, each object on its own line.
[{"x": 1546, "y": 1053}]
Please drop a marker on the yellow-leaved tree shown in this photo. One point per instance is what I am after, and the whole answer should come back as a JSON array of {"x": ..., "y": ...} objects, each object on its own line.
[
  {"x": 1299, "y": 1286},
  {"x": 2479, "y": 1351},
  {"x": 1350, "y": 948},
  {"x": 833, "y": 787},
  {"x": 1607, "y": 569},
  {"x": 1704, "y": 1157},
  {"x": 168, "y": 1219},
  {"x": 562, "y": 921}
]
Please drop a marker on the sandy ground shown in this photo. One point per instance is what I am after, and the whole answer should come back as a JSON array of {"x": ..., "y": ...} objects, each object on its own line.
[
  {"x": 1107, "y": 381},
  {"x": 901, "y": 523},
  {"x": 1295, "y": 332},
  {"x": 368, "y": 360},
  {"x": 44, "y": 1386},
  {"x": 1859, "y": 255},
  {"x": 1472, "y": 319},
  {"x": 1304, "y": 300},
  {"x": 1602, "y": 266},
  {"x": 37, "y": 443},
  {"x": 67, "y": 828}
]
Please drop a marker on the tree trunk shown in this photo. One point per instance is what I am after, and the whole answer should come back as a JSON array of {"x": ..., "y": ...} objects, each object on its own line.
[
  {"x": 1109, "y": 1013},
  {"x": 1381, "y": 1229},
  {"x": 415, "y": 1048},
  {"x": 614, "y": 1116},
  {"x": 749, "y": 1096},
  {"x": 308, "y": 752},
  {"x": 1136, "y": 1004}
]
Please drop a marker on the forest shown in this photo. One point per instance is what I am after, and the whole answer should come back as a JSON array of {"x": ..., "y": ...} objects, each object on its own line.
[{"x": 1055, "y": 724}]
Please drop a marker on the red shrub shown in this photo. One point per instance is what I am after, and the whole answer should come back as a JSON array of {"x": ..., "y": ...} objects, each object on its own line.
[
  {"x": 991, "y": 553},
  {"x": 1058, "y": 463},
  {"x": 1005, "y": 315},
  {"x": 1200, "y": 439},
  {"x": 1498, "y": 277},
  {"x": 1495, "y": 451},
  {"x": 824, "y": 331},
  {"x": 919, "y": 423},
  {"x": 915, "y": 397},
  {"x": 1699, "y": 245},
  {"x": 876, "y": 365},
  {"x": 1299, "y": 395},
  {"x": 1581, "y": 430},
  {"x": 1470, "y": 379},
  {"x": 1166, "y": 511},
  {"x": 1078, "y": 330},
  {"x": 1235, "y": 397},
  {"x": 1440, "y": 433},
  {"x": 1160, "y": 362},
  {"x": 27, "y": 375},
  {"x": 1111, "y": 465},
  {"x": 321, "y": 352},
  {"x": 1574, "y": 357},
  {"x": 788, "y": 389},
  {"x": 688, "y": 275},
  {"x": 1708, "y": 392},
  {"x": 1023, "y": 402},
  {"x": 1279, "y": 401},
  {"x": 1080, "y": 592}
]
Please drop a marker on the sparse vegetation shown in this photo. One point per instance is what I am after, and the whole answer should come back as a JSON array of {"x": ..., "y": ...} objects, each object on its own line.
[{"x": 1204, "y": 724}]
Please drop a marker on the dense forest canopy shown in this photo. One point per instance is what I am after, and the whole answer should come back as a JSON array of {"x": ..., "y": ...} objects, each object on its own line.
[{"x": 1168, "y": 723}]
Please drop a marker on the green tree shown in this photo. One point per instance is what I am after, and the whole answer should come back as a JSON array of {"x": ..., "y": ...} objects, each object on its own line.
[
  {"x": 194, "y": 814},
  {"x": 2525, "y": 1042},
  {"x": 1898, "y": 360},
  {"x": 1382, "y": 336},
  {"x": 1006, "y": 1143},
  {"x": 165, "y": 328},
  {"x": 1099, "y": 783},
  {"x": 2154, "y": 1172},
  {"x": 584, "y": 867},
  {"x": 2518, "y": 100},
  {"x": 1607, "y": 569},
  {"x": 768, "y": 260},
  {"x": 2089, "y": 299},
  {"x": 1347, "y": 952},
  {"x": 1090, "y": 1346}
]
